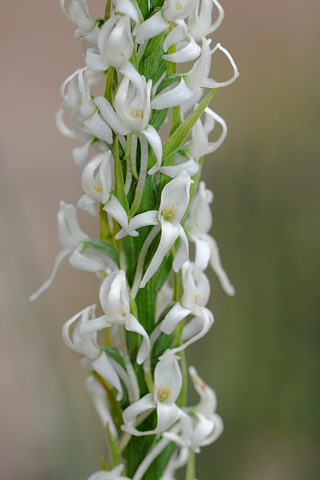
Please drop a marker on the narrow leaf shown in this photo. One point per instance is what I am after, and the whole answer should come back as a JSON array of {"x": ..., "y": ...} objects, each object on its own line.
[{"x": 175, "y": 141}]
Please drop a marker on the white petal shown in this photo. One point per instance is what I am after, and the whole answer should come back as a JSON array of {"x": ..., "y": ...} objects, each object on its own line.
[
  {"x": 172, "y": 97},
  {"x": 154, "y": 139},
  {"x": 87, "y": 204},
  {"x": 110, "y": 116},
  {"x": 173, "y": 318},
  {"x": 126, "y": 7},
  {"x": 208, "y": 400},
  {"x": 99, "y": 400},
  {"x": 143, "y": 219},
  {"x": 94, "y": 61},
  {"x": 151, "y": 27},
  {"x": 182, "y": 254},
  {"x": 103, "y": 366},
  {"x": 169, "y": 234},
  {"x": 145, "y": 404},
  {"x": 216, "y": 266},
  {"x": 186, "y": 54},
  {"x": 167, "y": 375},
  {"x": 97, "y": 127},
  {"x": 132, "y": 325},
  {"x": 61, "y": 255},
  {"x": 190, "y": 167},
  {"x": 81, "y": 261},
  {"x": 217, "y": 430},
  {"x": 116, "y": 210},
  {"x": 177, "y": 35},
  {"x": 81, "y": 155}
]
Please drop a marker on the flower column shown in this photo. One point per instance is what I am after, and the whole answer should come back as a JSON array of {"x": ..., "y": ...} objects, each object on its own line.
[{"x": 152, "y": 294}]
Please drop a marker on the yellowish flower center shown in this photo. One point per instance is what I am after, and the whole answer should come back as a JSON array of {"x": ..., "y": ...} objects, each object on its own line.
[
  {"x": 169, "y": 213},
  {"x": 179, "y": 6},
  {"x": 163, "y": 393},
  {"x": 196, "y": 296},
  {"x": 122, "y": 311},
  {"x": 137, "y": 113},
  {"x": 98, "y": 187}
]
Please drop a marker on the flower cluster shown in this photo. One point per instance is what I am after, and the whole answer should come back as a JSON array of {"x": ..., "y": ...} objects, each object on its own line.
[{"x": 151, "y": 204}]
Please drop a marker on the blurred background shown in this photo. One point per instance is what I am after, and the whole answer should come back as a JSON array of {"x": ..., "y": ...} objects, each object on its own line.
[{"x": 262, "y": 354}]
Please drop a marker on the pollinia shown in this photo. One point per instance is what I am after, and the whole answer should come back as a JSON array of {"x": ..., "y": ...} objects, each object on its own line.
[{"x": 146, "y": 191}]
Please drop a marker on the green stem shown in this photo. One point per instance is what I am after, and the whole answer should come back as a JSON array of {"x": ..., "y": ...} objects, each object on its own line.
[{"x": 190, "y": 473}]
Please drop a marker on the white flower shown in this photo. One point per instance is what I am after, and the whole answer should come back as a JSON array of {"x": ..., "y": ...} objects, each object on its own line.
[
  {"x": 197, "y": 226},
  {"x": 86, "y": 344},
  {"x": 174, "y": 203},
  {"x": 200, "y": 145},
  {"x": 186, "y": 48},
  {"x": 196, "y": 293},
  {"x": 78, "y": 14},
  {"x": 114, "y": 474},
  {"x": 178, "y": 9},
  {"x": 189, "y": 90},
  {"x": 167, "y": 386},
  {"x": 195, "y": 296},
  {"x": 115, "y": 45},
  {"x": 71, "y": 238},
  {"x": 97, "y": 181},
  {"x": 203, "y": 426},
  {"x": 115, "y": 302},
  {"x": 131, "y": 113},
  {"x": 199, "y": 21},
  {"x": 78, "y": 98}
]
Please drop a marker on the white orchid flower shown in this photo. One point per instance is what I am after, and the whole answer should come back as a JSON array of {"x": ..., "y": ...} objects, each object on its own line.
[
  {"x": 78, "y": 98},
  {"x": 71, "y": 238},
  {"x": 131, "y": 114},
  {"x": 197, "y": 226},
  {"x": 97, "y": 181},
  {"x": 181, "y": 162},
  {"x": 167, "y": 386},
  {"x": 86, "y": 344},
  {"x": 173, "y": 205},
  {"x": 186, "y": 47},
  {"x": 200, "y": 145},
  {"x": 203, "y": 426},
  {"x": 196, "y": 293},
  {"x": 115, "y": 303},
  {"x": 115, "y": 45},
  {"x": 200, "y": 20},
  {"x": 189, "y": 90},
  {"x": 114, "y": 474},
  {"x": 173, "y": 10},
  {"x": 78, "y": 14}
]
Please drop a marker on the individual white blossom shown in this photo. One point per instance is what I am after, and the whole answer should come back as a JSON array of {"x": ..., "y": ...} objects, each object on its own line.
[
  {"x": 71, "y": 238},
  {"x": 202, "y": 426},
  {"x": 173, "y": 205},
  {"x": 198, "y": 225},
  {"x": 115, "y": 302},
  {"x": 86, "y": 344},
  {"x": 167, "y": 386},
  {"x": 115, "y": 45},
  {"x": 200, "y": 19}
]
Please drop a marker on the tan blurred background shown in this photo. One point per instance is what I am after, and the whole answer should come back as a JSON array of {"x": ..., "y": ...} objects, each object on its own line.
[{"x": 262, "y": 355}]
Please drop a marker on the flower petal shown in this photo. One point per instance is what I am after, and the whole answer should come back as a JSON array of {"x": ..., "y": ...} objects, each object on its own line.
[{"x": 132, "y": 325}]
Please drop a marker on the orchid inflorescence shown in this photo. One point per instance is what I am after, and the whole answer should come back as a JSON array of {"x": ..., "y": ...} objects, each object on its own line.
[{"x": 151, "y": 205}]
